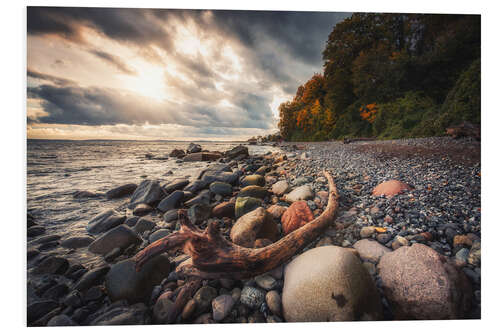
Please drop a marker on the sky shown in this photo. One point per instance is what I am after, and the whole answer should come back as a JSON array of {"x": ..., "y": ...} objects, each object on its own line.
[{"x": 170, "y": 74}]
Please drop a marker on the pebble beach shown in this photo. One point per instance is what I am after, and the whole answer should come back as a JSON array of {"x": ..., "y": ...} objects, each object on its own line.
[{"x": 415, "y": 254}]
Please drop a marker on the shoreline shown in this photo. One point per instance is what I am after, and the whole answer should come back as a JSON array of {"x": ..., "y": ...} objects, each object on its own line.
[{"x": 433, "y": 208}]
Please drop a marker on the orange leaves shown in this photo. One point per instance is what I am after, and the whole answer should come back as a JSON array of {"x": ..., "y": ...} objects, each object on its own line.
[{"x": 368, "y": 112}]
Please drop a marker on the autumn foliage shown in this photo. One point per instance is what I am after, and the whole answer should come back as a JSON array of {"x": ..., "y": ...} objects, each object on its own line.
[{"x": 389, "y": 75}]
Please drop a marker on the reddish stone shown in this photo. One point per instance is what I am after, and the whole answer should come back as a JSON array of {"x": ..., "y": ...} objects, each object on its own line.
[
  {"x": 224, "y": 209},
  {"x": 390, "y": 188},
  {"x": 297, "y": 215}
]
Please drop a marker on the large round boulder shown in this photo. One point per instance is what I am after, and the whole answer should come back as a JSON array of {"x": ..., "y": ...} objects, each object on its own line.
[
  {"x": 390, "y": 188},
  {"x": 329, "y": 283},
  {"x": 124, "y": 282},
  {"x": 421, "y": 284}
]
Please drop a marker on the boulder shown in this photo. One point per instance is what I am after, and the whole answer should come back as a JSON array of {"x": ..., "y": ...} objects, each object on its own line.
[
  {"x": 179, "y": 153},
  {"x": 419, "y": 283},
  {"x": 198, "y": 213},
  {"x": 253, "y": 180},
  {"x": 162, "y": 309},
  {"x": 253, "y": 191},
  {"x": 143, "y": 225},
  {"x": 329, "y": 283},
  {"x": 390, "y": 188},
  {"x": 172, "y": 201},
  {"x": 121, "y": 191},
  {"x": 158, "y": 234},
  {"x": 52, "y": 265},
  {"x": 276, "y": 211},
  {"x": 221, "y": 188},
  {"x": 224, "y": 209},
  {"x": 77, "y": 242},
  {"x": 256, "y": 224},
  {"x": 370, "y": 250},
  {"x": 176, "y": 185},
  {"x": 238, "y": 151},
  {"x": 124, "y": 282},
  {"x": 148, "y": 192},
  {"x": 202, "y": 198},
  {"x": 205, "y": 156},
  {"x": 104, "y": 221},
  {"x": 296, "y": 216},
  {"x": 121, "y": 236},
  {"x": 195, "y": 186},
  {"x": 142, "y": 209},
  {"x": 280, "y": 188},
  {"x": 222, "y": 306},
  {"x": 193, "y": 148},
  {"x": 245, "y": 205},
  {"x": 91, "y": 278},
  {"x": 304, "y": 192},
  {"x": 171, "y": 215}
]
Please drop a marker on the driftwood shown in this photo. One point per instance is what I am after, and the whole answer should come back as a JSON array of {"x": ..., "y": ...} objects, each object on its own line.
[{"x": 212, "y": 256}]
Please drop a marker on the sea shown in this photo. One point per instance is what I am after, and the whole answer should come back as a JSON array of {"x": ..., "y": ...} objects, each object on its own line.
[{"x": 56, "y": 169}]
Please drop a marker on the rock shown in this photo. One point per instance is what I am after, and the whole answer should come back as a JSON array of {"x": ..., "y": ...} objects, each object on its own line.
[
  {"x": 199, "y": 213},
  {"x": 391, "y": 188},
  {"x": 142, "y": 209},
  {"x": 195, "y": 186},
  {"x": 366, "y": 232},
  {"x": 132, "y": 220},
  {"x": 35, "y": 231},
  {"x": 246, "y": 205},
  {"x": 399, "y": 241},
  {"x": 73, "y": 299},
  {"x": 329, "y": 283},
  {"x": 255, "y": 224},
  {"x": 238, "y": 151},
  {"x": 148, "y": 192},
  {"x": 273, "y": 301},
  {"x": 162, "y": 309},
  {"x": 203, "y": 298},
  {"x": 172, "y": 201},
  {"x": 77, "y": 242},
  {"x": 252, "y": 297},
  {"x": 276, "y": 211},
  {"x": 137, "y": 314},
  {"x": 176, "y": 185},
  {"x": 221, "y": 188},
  {"x": 262, "y": 170},
  {"x": 61, "y": 320},
  {"x": 370, "y": 250},
  {"x": 420, "y": 284},
  {"x": 188, "y": 310},
  {"x": 461, "y": 257},
  {"x": 143, "y": 224},
  {"x": 93, "y": 294},
  {"x": 179, "y": 153},
  {"x": 280, "y": 188},
  {"x": 37, "y": 310},
  {"x": 91, "y": 278},
  {"x": 296, "y": 216},
  {"x": 123, "y": 282},
  {"x": 202, "y": 198},
  {"x": 86, "y": 194},
  {"x": 198, "y": 157},
  {"x": 104, "y": 221},
  {"x": 32, "y": 253},
  {"x": 158, "y": 234},
  {"x": 171, "y": 215},
  {"x": 257, "y": 180},
  {"x": 221, "y": 173},
  {"x": 221, "y": 307},
  {"x": 121, "y": 236},
  {"x": 193, "y": 148},
  {"x": 52, "y": 265},
  {"x": 253, "y": 191},
  {"x": 303, "y": 192},
  {"x": 224, "y": 209},
  {"x": 121, "y": 191},
  {"x": 266, "y": 282},
  {"x": 475, "y": 254},
  {"x": 113, "y": 254}
]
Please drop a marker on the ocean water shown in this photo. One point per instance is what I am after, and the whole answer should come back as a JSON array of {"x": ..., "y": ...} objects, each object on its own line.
[{"x": 56, "y": 169}]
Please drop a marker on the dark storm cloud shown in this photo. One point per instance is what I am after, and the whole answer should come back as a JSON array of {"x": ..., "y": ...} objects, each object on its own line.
[
  {"x": 113, "y": 60},
  {"x": 97, "y": 106},
  {"x": 51, "y": 78}
]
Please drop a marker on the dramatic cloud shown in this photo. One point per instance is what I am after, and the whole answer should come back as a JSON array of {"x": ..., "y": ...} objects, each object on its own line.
[{"x": 211, "y": 73}]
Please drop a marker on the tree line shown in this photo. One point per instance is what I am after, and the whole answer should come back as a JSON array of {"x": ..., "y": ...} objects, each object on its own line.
[{"x": 390, "y": 76}]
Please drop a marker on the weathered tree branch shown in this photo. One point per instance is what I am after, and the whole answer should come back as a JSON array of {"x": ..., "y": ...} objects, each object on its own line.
[{"x": 212, "y": 256}]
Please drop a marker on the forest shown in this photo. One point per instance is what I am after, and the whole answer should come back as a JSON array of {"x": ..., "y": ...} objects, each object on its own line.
[{"x": 390, "y": 76}]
